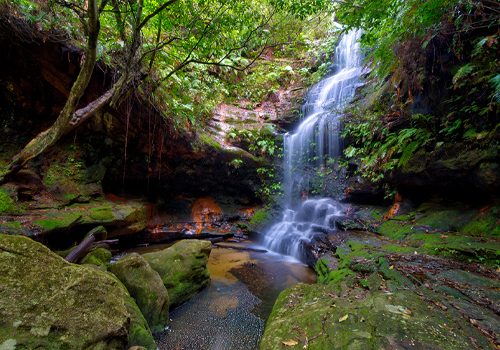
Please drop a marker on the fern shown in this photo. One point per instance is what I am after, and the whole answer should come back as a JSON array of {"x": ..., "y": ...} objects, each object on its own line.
[
  {"x": 408, "y": 152},
  {"x": 496, "y": 85},
  {"x": 407, "y": 133},
  {"x": 462, "y": 72}
]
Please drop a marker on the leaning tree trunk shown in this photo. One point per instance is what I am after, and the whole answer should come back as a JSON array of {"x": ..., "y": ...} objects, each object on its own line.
[{"x": 48, "y": 137}]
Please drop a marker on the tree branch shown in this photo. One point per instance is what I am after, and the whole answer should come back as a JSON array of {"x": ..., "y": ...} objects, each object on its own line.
[{"x": 155, "y": 12}]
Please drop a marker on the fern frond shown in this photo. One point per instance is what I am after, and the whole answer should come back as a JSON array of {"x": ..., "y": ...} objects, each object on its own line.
[
  {"x": 408, "y": 152},
  {"x": 462, "y": 72}
]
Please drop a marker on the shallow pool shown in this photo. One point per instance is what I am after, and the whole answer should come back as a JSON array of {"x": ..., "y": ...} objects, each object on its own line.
[{"x": 231, "y": 313}]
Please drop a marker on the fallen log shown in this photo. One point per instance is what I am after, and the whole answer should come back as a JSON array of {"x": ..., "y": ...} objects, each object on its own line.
[{"x": 90, "y": 238}]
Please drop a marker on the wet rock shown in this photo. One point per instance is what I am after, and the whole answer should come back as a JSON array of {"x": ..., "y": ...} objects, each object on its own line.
[
  {"x": 146, "y": 287},
  {"x": 46, "y": 302},
  {"x": 182, "y": 268},
  {"x": 349, "y": 223}
]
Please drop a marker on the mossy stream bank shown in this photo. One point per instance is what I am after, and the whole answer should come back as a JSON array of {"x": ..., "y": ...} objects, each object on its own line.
[{"x": 428, "y": 279}]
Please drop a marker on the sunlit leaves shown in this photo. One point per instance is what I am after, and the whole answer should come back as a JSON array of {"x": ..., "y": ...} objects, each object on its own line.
[{"x": 302, "y": 8}]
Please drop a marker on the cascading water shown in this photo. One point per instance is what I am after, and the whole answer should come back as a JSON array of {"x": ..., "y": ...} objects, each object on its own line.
[{"x": 316, "y": 142}]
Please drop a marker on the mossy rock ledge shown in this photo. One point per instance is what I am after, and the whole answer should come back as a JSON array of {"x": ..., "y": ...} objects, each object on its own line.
[
  {"x": 46, "y": 302},
  {"x": 182, "y": 268},
  {"x": 146, "y": 287},
  {"x": 375, "y": 294}
]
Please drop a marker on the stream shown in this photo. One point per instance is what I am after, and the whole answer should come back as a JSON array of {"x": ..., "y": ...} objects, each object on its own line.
[{"x": 232, "y": 312}]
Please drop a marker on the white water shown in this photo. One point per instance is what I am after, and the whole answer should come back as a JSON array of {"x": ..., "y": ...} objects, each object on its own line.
[{"x": 316, "y": 142}]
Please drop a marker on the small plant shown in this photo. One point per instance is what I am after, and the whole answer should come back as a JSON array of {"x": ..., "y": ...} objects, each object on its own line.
[{"x": 236, "y": 163}]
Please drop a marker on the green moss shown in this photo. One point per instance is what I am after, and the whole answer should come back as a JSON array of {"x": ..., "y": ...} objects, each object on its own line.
[
  {"x": 394, "y": 248},
  {"x": 447, "y": 220},
  {"x": 49, "y": 303},
  {"x": 98, "y": 257},
  {"x": 182, "y": 268},
  {"x": 50, "y": 224},
  {"x": 324, "y": 266},
  {"x": 139, "y": 334},
  {"x": 10, "y": 226},
  {"x": 7, "y": 204},
  {"x": 101, "y": 214},
  {"x": 336, "y": 276},
  {"x": 261, "y": 218},
  {"x": 375, "y": 321},
  {"x": 146, "y": 287},
  {"x": 397, "y": 230},
  {"x": 485, "y": 224},
  {"x": 207, "y": 140}
]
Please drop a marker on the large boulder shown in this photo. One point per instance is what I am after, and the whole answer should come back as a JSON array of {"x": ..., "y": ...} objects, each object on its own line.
[
  {"x": 46, "y": 302},
  {"x": 139, "y": 333},
  {"x": 146, "y": 287},
  {"x": 182, "y": 268}
]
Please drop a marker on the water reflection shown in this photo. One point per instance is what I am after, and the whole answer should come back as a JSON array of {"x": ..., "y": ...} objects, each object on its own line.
[{"x": 231, "y": 313}]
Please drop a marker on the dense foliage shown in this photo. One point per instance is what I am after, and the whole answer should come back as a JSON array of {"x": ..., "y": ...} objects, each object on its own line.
[
  {"x": 435, "y": 78},
  {"x": 182, "y": 52}
]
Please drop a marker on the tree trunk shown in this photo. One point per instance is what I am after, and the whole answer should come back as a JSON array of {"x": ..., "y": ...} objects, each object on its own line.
[{"x": 48, "y": 137}]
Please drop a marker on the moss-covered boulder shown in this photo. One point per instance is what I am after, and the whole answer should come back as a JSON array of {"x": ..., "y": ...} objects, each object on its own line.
[
  {"x": 182, "y": 268},
  {"x": 139, "y": 333},
  {"x": 46, "y": 302},
  {"x": 380, "y": 295},
  {"x": 98, "y": 257},
  {"x": 146, "y": 287}
]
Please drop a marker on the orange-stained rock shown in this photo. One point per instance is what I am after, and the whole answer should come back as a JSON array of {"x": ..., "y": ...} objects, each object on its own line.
[
  {"x": 396, "y": 207},
  {"x": 204, "y": 212}
]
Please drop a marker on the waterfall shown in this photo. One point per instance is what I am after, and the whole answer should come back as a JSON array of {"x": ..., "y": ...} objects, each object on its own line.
[{"x": 316, "y": 143}]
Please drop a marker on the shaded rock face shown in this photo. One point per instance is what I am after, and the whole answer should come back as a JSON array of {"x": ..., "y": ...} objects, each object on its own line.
[
  {"x": 139, "y": 334},
  {"x": 182, "y": 268},
  {"x": 46, "y": 302},
  {"x": 146, "y": 287},
  {"x": 90, "y": 161},
  {"x": 456, "y": 170}
]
